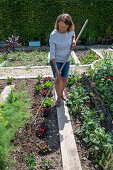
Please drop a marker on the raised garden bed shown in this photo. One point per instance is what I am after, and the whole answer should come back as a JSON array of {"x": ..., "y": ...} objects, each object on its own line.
[
  {"x": 87, "y": 122},
  {"x": 86, "y": 56},
  {"x": 86, "y": 161},
  {"x": 34, "y": 58},
  {"x": 27, "y": 141}
]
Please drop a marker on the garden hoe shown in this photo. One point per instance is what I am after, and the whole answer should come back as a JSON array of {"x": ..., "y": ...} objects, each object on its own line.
[{"x": 34, "y": 120}]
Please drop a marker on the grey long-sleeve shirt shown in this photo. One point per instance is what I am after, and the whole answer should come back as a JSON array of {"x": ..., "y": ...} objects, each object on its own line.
[{"x": 60, "y": 44}]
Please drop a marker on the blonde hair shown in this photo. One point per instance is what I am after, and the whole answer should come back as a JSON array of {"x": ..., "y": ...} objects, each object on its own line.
[{"x": 66, "y": 18}]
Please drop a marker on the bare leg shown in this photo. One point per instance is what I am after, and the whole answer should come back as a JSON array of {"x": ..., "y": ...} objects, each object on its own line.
[
  {"x": 58, "y": 88},
  {"x": 63, "y": 84}
]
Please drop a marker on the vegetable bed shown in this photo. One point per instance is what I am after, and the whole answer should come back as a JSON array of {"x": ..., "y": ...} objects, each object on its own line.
[
  {"x": 86, "y": 56},
  {"x": 93, "y": 140},
  {"x": 29, "y": 144},
  {"x": 34, "y": 58}
]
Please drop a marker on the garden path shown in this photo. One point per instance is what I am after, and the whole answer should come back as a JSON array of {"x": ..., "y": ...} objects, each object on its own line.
[{"x": 32, "y": 72}]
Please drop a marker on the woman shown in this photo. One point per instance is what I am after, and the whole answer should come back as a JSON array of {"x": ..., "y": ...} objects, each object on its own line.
[{"x": 62, "y": 39}]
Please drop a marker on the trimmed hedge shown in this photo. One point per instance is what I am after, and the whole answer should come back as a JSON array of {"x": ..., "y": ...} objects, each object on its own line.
[{"x": 34, "y": 20}]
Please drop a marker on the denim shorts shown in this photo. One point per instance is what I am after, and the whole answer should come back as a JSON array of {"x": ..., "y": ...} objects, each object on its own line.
[{"x": 65, "y": 69}]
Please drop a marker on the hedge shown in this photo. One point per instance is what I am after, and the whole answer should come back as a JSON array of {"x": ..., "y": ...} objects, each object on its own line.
[{"x": 35, "y": 19}]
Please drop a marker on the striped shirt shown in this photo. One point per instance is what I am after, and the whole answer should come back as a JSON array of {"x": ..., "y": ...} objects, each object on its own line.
[{"x": 60, "y": 44}]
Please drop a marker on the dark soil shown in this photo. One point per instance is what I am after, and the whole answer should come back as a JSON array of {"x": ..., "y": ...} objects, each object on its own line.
[{"x": 26, "y": 140}]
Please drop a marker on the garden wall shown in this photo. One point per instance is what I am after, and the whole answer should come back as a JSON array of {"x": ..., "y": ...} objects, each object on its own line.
[{"x": 34, "y": 20}]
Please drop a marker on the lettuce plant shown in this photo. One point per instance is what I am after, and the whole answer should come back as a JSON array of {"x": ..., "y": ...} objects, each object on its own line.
[
  {"x": 48, "y": 102},
  {"x": 37, "y": 88},
  {"x": 45, "y": 111},
  {"x": 41, "y": 130},
  {"x": 45, "y": 91},
  {"x": 39, "y": 78},
  {"x": 47, "y": 79},
  {"x": 47, "y": 85},
  {"x": 43, "y": 147}
]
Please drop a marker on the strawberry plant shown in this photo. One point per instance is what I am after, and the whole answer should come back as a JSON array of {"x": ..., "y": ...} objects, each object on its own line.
[
  {"x": 47, "y": 85},
  {"x": 47, "y": 79},
  {"x": 72, "y": 79},
  {"x": 99, "y": 141},
  {"x": 41, "y": 130},
  {"x": 46, "y": 164},
  {"x": 76, "y": 99},
  {"x": 45, "y": 111},
  {"x": 43, "y": 147},
  {"x": 101, "y": 146},
  {"x": 101, "y": 77}
]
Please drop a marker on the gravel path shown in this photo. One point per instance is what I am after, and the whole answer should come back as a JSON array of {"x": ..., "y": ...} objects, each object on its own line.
[{"x": 33, "y": 72}]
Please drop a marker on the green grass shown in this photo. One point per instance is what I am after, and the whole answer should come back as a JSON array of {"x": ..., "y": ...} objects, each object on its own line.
[{"x": 13, "y": 115}]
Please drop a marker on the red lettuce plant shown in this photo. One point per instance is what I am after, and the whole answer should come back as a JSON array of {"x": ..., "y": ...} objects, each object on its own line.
[
  {"x": 41, "y": 130},
  {"x": 47, "y": 79},
  {"x": 45, "y": 91},
  {"x": 45, "y": 111},
  {"x": 43, "y": 147}
]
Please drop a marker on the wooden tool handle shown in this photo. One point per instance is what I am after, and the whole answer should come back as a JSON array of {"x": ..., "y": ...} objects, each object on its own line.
[{"x": 40, "y": 107}]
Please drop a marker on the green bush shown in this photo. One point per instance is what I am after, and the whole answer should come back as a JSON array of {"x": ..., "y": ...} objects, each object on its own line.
[{"x": 36, "y": 18}]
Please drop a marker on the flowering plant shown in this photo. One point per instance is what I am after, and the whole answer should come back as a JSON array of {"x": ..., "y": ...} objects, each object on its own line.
[{"x": 12, "y": 41}]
